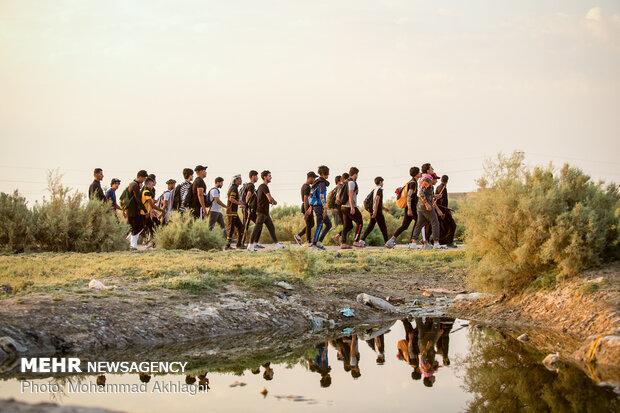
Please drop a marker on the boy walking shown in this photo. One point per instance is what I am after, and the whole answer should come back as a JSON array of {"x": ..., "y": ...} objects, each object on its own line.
[
  {"x": 199, "y": 188},
  {"x": 248, "y": 198},
  {"x": 135, "y": 207},
  {"x": 318, "y": 204},
  {"x": 411, "y": 213},
  {"x": 306, "y": 209},
  {"x": 184, "y": 188},
  {"x": 215, "y": 216},
  {"x": 110, "y": 195},
  {"x": 350, "y": 211},
  {"x": 233, "y": 221},
  {"x": 263, "y": 200},
  {"x": 377, "y": 216},
  {"x": 95, "y": 191}
]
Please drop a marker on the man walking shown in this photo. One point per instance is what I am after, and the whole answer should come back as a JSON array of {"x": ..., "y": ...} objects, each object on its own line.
[
  {"x": 184, "y": 188},
  {"x": 110, "y": 195},
  {"x": 135, "y": 208},
  {"x": 318, "y": 204},
  {"x": 232, "y": 217},
  {"x": 376, "y": 215},
  {"x": 350, "y": 211},
  {"x": 215, "y": 216},
  {"x": 426, "y": 213},
  {"x": 199, "y": 189},
  {"x": 148, "y": 213},
  {"x": 248, "y": 197},
  {"x": 95, "y": 191},
  {"x": 411, "y": 213},
  {"x": 306, "y": 209},
  {"x": 263, "y": 200},
  {"x": 165, "y": 200},
  {"x": 447, "y": 226}
]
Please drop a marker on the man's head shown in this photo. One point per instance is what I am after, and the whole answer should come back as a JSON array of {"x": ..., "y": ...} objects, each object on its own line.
[
  {"x": 379, "y": 181},
  {"x": 353, "y": 173},
  {"x": 323, "y": 171},
  {"x": 236, "y": 179},
  {"x": 444, "y": 179},
  {"x": 266, "y": 176},
  {"x": 148, "y": 182},
  {"x": 414, "y": 171},
  {"x": 253, "y": 176},
  {"x": 427, "y": 169},
  {"x": 337, "y": 179},
  {"x": 310, "y": 177},
  {"x": 345, "y": 176},
  {"x": 326, "y": 380},
  {"x": 98, "y": 173},
  {"x": 219, "y": 181},
  {"x": 201, "y": 171},
  {"x": 115, "y": 183},
  {"x": 171, "y": 183},
  {"x": 154, "y": 178},
  {"x": 188, "y": 174},
  {"x": 141, "y": 176}
]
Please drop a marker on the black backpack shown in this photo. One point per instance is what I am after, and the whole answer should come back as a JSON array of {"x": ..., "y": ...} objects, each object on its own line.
[
  {"x": 344, "y": 192},
  {"x": 208, "y": 199},
  {"x": 176, "y": 198},
  {"x": 369, "y": 202},
  {"x": 189, "y": 197}
]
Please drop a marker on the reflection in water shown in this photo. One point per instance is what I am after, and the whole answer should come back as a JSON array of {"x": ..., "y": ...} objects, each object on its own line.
[
  {"x": 507, "y": 376},
  {"x": 495, "y": 373}
]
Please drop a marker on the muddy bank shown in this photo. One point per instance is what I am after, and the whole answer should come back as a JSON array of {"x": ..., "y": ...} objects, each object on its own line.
[
  {"x": 40, "y": 324},
  {"x": 13, "y": 406},
  {"x": 580, "y": 319}
]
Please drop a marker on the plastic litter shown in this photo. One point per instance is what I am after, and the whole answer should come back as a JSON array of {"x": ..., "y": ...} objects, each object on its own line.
[{"x": 347, "y": 312}]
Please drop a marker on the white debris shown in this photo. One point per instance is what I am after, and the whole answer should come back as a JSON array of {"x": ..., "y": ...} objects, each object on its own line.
[{"x": 470, "y": 297}]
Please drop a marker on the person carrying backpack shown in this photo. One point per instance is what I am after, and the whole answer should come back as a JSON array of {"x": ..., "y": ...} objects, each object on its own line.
[
  {"x": 165, "y": 200},
  {"x": 426, "y": 213},
  {"x": 232, "y": 218},
  {"x": 409, "y": 194},
  {"x": 338, "y": 217},
  {"x": 181, "y": 190},
  {"x": 318, "y": 203},
  {"x": 196, "y": 201},
  {"x": 306, "y": 209},
  {"x": 247, "y": 195},
  {"x": 263, "y": 200},
  {"x": 131, "y": 201},
  {"x": 350, "y": 212},
  {"x": 376, "y": 210}
]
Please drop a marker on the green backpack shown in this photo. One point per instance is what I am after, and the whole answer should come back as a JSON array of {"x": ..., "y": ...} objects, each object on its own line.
[{"x": 125, "y": 199}]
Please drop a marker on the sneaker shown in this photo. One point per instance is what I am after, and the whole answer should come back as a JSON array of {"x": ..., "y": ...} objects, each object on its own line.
[
  {"x": 427, "y": 246},
  {"x": 279, "y": 246},
  {"x": 320, "y": 246},
  {"x": 439, "y": 247},
  {"x": 229, "y": 248},
  {"x": 452, "y": 245},
  {"x": 391, "y": 243},
  {"x": 363, "y": 243},
  {"x": 359, "y": 244},
  {"x": 251, "y": 247},
  {"x": 345, "y": 247},
  {"x": 413, "y": 246},
  {"x": 258, "y": 246},
  {"x": 315, "y": 248},
  {"x": 149, "y": 245},
  {"x": 298, "y": 239}
]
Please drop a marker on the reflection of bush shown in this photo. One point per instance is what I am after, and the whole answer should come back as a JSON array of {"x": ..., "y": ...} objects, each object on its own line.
[
  {"x": 505, "y": 376},
  {"x": 526, "y": 223}
]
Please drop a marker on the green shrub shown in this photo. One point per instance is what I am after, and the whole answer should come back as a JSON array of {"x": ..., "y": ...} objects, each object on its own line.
[
  {"x": 63, "y": 223},
  {"x": 300, "y": 262},
  {"x": 526, "y": 222},
  {"x": 183, "y": 232},
  {"x": 16, "y": 222}
]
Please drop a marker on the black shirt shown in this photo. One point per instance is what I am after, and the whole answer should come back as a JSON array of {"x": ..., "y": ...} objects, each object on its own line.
[
  {"x": 379, "y": 194},
  {"x": 305, "y": 191},
  {"x": 233, "y": 192},
  {"x": 95, "y": 191},
  {"x": 443, "y": 201},
  {"x": 198, "y": 183},
  {"x": 262, "y": 200}
]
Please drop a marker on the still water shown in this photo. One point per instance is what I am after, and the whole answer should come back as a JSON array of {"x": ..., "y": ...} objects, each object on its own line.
[{"x": 421, "y": 364}]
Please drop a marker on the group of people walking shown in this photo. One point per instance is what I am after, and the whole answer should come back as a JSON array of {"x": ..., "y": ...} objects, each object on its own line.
[{"x": 426, "y": 206}]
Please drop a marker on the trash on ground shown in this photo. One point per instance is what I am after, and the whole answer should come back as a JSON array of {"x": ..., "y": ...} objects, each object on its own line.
[{"x": 347, "y": 312}]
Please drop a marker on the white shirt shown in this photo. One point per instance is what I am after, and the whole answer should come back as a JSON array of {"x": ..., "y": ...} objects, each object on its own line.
[{"x": 214, "y": 193}]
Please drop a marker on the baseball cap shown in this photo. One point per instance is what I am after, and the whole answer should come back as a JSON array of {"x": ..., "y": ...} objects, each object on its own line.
[
  {"x": 311, "y": 174},
  {"x": 200, "y": 168},
  {"x": 115, "y": 180}
]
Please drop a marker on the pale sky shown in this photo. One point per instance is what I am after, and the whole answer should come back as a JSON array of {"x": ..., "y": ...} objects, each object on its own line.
[{"x": 289, "y": 85}]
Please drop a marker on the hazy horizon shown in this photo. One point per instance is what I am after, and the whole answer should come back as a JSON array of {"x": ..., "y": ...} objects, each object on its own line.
[{"x": 288, "y": 86}]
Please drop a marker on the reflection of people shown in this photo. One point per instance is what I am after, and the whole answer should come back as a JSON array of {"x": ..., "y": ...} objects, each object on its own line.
[
  {"x": 428, "y": 336},
  {"x": 101, "y": 380},
  {"x": 144, "y": 378},
  {"x": 408, "y": 349},
  {"x": 203, "y": 382},
  {"x": 443, "y": 343},
  {"x": 355, "y": 358},
  {"x": 378, "y": 345},
  {"x": 320, "y": 364},
  {"x": 343, "y": 352},
  {"x": 189, "y": 379},
  {"x": 268, "y": 373}
]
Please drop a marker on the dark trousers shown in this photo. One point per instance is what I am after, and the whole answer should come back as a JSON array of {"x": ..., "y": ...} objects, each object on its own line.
[
  {"x": 426, "y": 217},
  {"x": 337, "y": 216},
  {"x": 234, "y": 223},
  {"x": 380, "y": 221},
  {"x": 248, "y": 216},
  {"x": 216, "y": 218},
  {"x": 136, "y": 223},
  {"x": 258, "y": 228},
  {"x": 447, "y": 228},
  {"x": 348, "y": 223},
  {"x": 323, "y": 223},
  {"x": 406, "y": 222},
  {"x": 149, "y": 225},
  {"x": 309, "y": 219}
]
